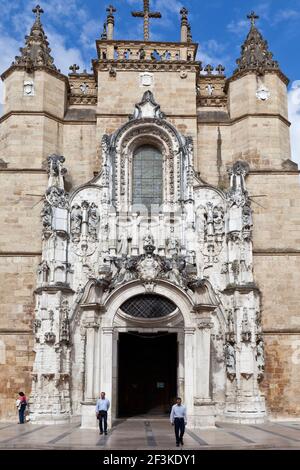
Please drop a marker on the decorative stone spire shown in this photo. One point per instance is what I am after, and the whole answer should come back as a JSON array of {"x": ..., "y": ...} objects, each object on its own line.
[
  {"x": 110, "y": 22},
  {"x": 36, "y": 52},
  {"x": 184, "y": 24},
  {"x": 255, "y": 54}
]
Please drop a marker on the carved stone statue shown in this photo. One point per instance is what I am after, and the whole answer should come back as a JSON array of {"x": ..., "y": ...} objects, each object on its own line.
[
  {"x": 126, "y": 270},
  {"x": 247, "y": 218},
  {"x": 260, "y": 355},
  {"x": 93, "y": 222},
  {"x": 43, "y": 271},
  {"x": 65, "y": 323},
  {"x": 57, "y": 197},
  {"x": 46, "y": 215},
  {"x": 123, "y": 244},
  {"x": 148, "y": 240},
  {"x": 172, "y": 246},
  {"x": 175, "y": 273},
  {"x": 246, "y": 332},
  {"x": 230, "y": 358},
  {"x": 76, "y": 222},
  {"x": 218, "y": 218}
]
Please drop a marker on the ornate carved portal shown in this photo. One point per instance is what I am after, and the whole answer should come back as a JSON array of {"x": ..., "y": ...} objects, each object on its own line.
[{"x": 100, "y": 252}]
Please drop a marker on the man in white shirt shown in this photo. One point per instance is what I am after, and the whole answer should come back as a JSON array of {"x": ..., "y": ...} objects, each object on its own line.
[
  {"x": 102, "y": 408},
  {"x": 179, "y": 420}
]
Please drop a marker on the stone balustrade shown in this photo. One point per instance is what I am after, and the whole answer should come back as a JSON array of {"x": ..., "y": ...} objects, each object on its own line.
[{"x": 146, "y": 51}]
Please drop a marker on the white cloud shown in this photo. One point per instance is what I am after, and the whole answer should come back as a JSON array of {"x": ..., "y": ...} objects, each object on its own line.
[
  {"x": 238, "y": 27},
  {"x": 285, "y": 15},
  {"x": 294, "y": 116},
  {"x": 214, "y": 53},
  {"x": 64, "y": 56}
]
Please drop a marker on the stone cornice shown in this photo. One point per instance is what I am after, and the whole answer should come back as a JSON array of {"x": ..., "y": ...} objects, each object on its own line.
[
  {"x": 41, "y": 68},
  {"x": 243, "y": 289},
  {"x": 283, "y": 331},
  {"x": 7, "y": 331},
  {"x": 276, "y": 252},
  {"x": 242, "y": 117},
  {"x": 20, "y": 254},
  {"x": 243, "y": 73},
  {"x": 53, "y": 289},
  {"x": 45, "y": 114},
  {"x": 23, "y": 170}
]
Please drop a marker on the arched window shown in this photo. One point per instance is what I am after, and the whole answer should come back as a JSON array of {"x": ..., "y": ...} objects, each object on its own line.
[{"x": 147, "y": 178}]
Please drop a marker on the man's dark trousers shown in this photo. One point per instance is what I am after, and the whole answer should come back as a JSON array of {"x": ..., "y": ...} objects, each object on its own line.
[
  {"x": 103, "y": 416},
  {"x": 179, "y": 429}
]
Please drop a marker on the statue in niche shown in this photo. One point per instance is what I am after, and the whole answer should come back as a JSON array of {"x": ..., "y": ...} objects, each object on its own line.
[
  {"x": 76, "y": 222},
  {"x": 123, "y": 244},
  {"x": 44, "y": 271},
  {"x": 177, "y": 265},
  {"x": 200, "y": 221},
  {"x": 260, "y": 355},
  {"x": 247, "y": 218},
  {"x": 218, "y": 218},
  {"x": 126, "y": 270},
  {"x": 230, "y": 358},
  {"x": 79, "y": 294},
  {"x": 46, "y": 215},
  {"x": 93, "y": 222},
  {"x": 148, "y": 240},
  {"x": 172, "y": 246}
]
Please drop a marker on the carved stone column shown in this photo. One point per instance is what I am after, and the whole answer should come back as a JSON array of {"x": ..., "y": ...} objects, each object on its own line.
[
  {"x": 202, "y": 360},
  {"x": 91, "y": 324},
  {"x": 189, "y": 339},
  {"x": 107, "y": 364}
]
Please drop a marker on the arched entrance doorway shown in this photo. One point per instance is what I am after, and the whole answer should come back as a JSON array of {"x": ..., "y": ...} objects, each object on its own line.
[
  {"x": 172, "y": 327},
  {"x": 147, "y": 357}
]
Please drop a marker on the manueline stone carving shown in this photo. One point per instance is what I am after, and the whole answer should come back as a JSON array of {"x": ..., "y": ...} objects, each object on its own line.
[
  {"x": 255, "y": 54},
  {"x": 46, "y": 216},
  {"x": 246, "y": 332},
  {"x": 76, "y": 223},
  {"x": 247, "y": 218},
  {"x": 237, "y": 194},
  {"x": 64, "y": 335},
  {"x": 36, "y": 52},
  {"x": 43, "y": 272},
  {"x": 230, "y": 359},
  {"x": 57, "y": 197},
  {"x": 93, "y": 222},
  {"x": 260, "y": 357}
]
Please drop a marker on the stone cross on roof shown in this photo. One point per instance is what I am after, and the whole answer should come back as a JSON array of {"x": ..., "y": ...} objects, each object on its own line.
[
  {"x": 111, "y": 10},
  {"x": 74, "y": 68},
  {"x": 146, "y": 14},
  {"x": 38, "y": 11},
  {"x": 253, "y": 17}
]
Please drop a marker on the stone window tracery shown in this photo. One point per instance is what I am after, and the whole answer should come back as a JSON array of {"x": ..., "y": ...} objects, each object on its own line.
[{"x": 147, "y": 177}]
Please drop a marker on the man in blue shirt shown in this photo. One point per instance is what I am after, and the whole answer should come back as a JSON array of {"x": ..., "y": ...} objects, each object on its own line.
[
  {"x": 102, "y": 408},
  {"x": 178, "y": 419}
]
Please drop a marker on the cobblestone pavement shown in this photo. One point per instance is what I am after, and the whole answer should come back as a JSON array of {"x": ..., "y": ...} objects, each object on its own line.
[{"x": 152, "y": 434}]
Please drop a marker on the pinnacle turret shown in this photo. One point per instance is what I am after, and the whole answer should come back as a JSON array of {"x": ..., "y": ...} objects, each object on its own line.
[
  {"x": 36, "y": 52},
  {"x": 255, "y": 54}
]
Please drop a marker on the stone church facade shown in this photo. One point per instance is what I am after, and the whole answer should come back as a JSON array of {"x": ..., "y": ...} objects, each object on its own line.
[{"x": 150, "y": 241}]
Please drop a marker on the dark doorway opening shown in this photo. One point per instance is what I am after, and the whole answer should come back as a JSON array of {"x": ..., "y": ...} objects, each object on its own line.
[{"x": 147, "y": 368}]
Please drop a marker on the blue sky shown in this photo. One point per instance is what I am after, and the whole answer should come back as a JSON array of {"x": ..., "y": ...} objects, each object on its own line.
[{"x": 219, "y": 26}]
